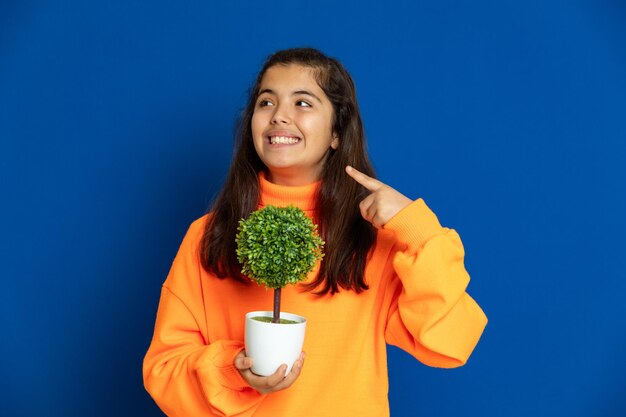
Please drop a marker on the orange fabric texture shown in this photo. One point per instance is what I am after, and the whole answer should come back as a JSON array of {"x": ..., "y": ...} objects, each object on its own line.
[{"x": 416, "y": 301}]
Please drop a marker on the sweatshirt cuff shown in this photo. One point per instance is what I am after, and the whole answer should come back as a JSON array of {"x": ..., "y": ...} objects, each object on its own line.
[
  {"x": 224, "y": 365},
  {"x": 414, "y": 225}
]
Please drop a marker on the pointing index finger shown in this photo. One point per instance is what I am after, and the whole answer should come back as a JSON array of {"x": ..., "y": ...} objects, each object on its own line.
[{"x": 368, "y": 182}]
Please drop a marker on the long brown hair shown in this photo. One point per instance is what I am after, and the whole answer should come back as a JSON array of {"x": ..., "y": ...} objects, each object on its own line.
[{"x": 347, "y": 235}]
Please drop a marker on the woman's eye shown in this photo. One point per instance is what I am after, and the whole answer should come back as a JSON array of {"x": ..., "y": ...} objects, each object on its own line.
[
  {"x": 302, "y": 103},
  {"x": 264, "y": 103}
]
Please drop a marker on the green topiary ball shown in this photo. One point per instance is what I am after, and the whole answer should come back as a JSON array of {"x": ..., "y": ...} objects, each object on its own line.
[{"x": 277, "y": 246}]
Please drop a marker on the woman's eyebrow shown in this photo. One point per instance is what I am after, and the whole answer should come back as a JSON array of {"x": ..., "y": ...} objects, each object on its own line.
[
  {"x": 295, "y": 93},
  {"x": 308, "y": 93},
  {"x": 266, "y": 90}
]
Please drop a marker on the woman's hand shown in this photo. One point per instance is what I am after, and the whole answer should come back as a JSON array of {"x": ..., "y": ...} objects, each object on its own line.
[
  {"x": 267, "y": 384},
  {"x": 382, "y": 204}
]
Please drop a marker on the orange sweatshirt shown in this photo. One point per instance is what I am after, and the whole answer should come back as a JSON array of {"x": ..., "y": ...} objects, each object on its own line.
[{"x": 416, "y": 301}]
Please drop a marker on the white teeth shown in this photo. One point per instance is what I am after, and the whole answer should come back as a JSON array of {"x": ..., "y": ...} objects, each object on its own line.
[{"x": 283, "y": 139}]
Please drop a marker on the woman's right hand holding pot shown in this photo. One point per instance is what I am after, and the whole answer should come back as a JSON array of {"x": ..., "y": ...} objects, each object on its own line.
[{"x": 268, "y": 384}]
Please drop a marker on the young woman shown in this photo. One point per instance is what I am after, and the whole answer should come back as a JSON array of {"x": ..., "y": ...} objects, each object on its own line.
[{"x": 391, "y": 273}]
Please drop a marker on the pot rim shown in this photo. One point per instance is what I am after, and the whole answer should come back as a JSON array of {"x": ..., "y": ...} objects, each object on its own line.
[{"x": 283, "y": 315}]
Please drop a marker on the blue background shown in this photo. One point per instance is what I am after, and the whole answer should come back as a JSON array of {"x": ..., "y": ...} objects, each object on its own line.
[{"x": 509, "y": 118}]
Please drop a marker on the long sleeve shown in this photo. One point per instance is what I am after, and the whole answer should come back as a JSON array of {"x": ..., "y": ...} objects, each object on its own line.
[
  {"x": 431, "y": 316},
  {"x": 184, "y": 372}
]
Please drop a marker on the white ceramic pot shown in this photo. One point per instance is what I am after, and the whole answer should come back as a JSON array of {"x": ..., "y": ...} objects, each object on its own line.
[{"x": 272, "y": 344}]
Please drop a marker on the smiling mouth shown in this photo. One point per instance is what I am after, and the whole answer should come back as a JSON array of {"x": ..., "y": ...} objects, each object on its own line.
[{"x": 285, "y": 140}]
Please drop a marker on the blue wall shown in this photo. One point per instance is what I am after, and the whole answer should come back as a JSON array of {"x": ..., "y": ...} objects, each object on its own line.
[{"x": 509, "y": 118}]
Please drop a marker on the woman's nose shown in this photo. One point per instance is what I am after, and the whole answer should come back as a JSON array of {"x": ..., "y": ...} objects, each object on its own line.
[{"x": 281, "y": 115}]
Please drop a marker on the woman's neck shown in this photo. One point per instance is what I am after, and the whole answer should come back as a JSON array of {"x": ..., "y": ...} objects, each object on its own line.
[{"x": 292, "y": 179}]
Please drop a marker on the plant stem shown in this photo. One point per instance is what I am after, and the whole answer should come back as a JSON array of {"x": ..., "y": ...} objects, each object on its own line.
[{"x": 276, "y": 305}]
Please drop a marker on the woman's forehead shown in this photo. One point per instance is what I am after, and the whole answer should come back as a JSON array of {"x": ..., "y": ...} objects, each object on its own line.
[{"x": 289, "y": 77}]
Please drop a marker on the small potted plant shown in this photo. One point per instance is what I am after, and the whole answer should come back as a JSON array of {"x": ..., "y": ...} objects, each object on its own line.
[{"x": 276, "y": 246}]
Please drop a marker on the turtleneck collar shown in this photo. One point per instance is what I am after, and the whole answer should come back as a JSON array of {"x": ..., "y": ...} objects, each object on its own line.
[{"x": 302, "y": 196}]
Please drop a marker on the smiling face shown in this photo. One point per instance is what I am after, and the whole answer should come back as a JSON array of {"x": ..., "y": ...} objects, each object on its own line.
[{"x": 292, "y": 125}]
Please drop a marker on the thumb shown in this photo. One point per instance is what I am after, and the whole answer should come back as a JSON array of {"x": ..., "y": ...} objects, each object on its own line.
[{"x": 242, "y": 363}]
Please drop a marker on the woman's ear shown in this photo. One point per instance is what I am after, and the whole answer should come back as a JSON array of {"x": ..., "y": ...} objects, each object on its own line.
[{"x": 335, "y": 143}]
